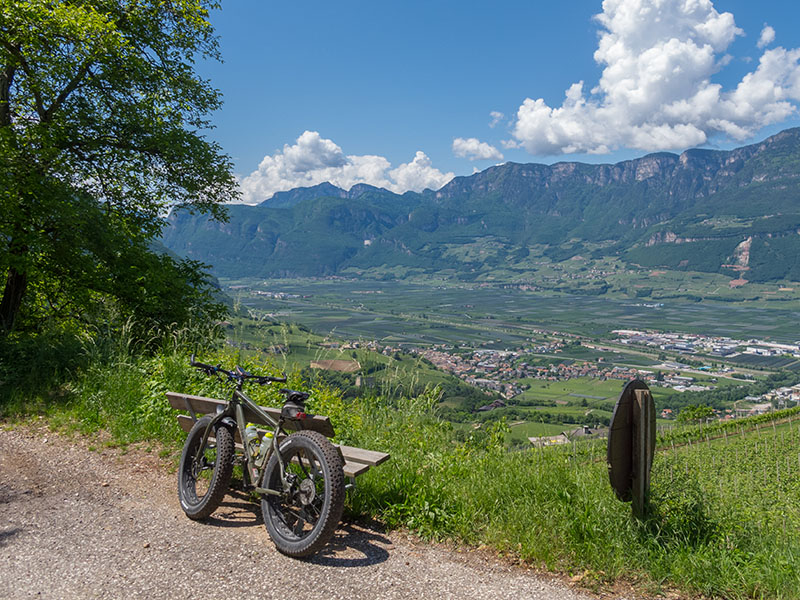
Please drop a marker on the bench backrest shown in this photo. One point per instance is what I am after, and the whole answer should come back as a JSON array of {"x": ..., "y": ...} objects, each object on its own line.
[
  {"x": 356, "y": 460},
  {"x": 204, "y": 406}
]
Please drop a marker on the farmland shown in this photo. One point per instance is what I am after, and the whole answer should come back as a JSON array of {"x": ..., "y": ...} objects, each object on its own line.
[
  {"x": 418, "y": 313},
  {"x": 744, "y": 484},
  {"x": 551, "y": 359}
]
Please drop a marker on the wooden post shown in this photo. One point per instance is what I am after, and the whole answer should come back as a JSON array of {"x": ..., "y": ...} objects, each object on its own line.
[
  {"x": 644, "y": 444},
  {"x": 631, "y": 446}
]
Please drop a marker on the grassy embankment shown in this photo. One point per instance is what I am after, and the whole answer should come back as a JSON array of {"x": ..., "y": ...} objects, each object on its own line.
[{"x": 723, "y": 522}]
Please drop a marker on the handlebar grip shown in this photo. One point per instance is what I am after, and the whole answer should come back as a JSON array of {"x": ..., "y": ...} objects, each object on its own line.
[
  {"x": 264, "y": 380},
  {"x": 199, "y": 365}
]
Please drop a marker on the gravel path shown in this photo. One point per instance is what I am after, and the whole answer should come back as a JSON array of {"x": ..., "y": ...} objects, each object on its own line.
[{"x": 81, "y": 524}]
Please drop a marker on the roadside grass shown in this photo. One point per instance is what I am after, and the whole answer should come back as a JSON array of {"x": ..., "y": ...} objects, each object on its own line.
[
  {"x": 553, "y": 507},
  {"x": 720, "y": 527}
]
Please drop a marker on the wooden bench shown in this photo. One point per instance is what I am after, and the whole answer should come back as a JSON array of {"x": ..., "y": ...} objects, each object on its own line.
[{"x": 356, "y": 460}]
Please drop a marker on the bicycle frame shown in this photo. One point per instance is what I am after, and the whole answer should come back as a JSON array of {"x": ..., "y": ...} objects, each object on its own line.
[{"x": 235, "y": 411}]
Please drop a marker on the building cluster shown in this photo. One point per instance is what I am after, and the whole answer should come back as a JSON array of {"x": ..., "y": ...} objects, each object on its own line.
[
  {"x": 487, "y": 369},
  {"x": 501, "y": 370},
  {"x": 505, "y": 389},
  {"x": 783, "y": 397},
  {"x": 689, "y": 343},
  {"x": 278, "y": 295},
  {"x": 452, "y": 363}
]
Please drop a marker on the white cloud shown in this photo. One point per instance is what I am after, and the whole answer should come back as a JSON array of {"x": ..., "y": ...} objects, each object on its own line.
[
  {"x": 655, "y": 91},
  {"x": 496, "y": 116},
  {"x": 313, "y": 159},
  {"x": 474, "y": 149},
  {"x": 417, "y": 175},
  {"x": 767, "y": 37}
]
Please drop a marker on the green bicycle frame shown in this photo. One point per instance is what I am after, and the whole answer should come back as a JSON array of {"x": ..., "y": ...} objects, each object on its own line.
[{"x": 235, "y": 411}]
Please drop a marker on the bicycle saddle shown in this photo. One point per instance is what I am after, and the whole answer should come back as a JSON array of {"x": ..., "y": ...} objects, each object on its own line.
[
  {"x": 295, "y": 405},
  {"x": 295, "y": 396}
]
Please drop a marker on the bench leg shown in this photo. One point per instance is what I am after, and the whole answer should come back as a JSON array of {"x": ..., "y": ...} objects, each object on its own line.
[{"x": 190, "y": 409}]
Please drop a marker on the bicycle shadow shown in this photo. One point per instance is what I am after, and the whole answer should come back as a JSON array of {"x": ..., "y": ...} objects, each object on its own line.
[
  {"x": 237, "y": 510},
  {"x": 8, "y": 534},
  {"x": 353, "y": 546}
]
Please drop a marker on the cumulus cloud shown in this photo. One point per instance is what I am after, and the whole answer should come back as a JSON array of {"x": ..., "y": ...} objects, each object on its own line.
[
  {"x": 496, "y": 117},
  {"x": 655, "y": 91},
  {"x": 474, "y": 149},
  {"x": 313, "y": 159},
  {"x": 767, "y": 36}
]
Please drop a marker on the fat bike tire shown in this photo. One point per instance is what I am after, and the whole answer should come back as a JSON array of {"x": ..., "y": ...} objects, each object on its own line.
[
  {"x": 302, "y": 519},
  {"x": 202, "y": 484}
]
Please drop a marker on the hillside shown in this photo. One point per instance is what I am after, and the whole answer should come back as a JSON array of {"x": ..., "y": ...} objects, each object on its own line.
[{"x": 731, "y": 212}]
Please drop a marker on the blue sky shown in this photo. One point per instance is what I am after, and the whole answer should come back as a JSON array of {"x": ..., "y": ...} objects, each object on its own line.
[{"x": 401, "y": 95}]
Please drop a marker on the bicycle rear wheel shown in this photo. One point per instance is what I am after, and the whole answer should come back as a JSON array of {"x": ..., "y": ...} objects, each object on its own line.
[
  {"x": 303, "y": 518},
  {"x": 205, "y": 472}
]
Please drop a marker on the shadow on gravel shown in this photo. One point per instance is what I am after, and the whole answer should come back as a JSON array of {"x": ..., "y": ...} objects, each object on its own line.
[
  {"x": 7, "y": 534},
  {"x": 351, "y": 546},
  {"x": 237, "y": 510},
  {"x": 348, "y": 541}
]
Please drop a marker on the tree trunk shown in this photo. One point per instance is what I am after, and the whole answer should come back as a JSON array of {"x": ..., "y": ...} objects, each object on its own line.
[{"x": 16, "y": 283}]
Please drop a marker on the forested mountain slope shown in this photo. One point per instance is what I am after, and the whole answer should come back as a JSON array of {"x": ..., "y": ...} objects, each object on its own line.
[{"x": 733, "y": 212}]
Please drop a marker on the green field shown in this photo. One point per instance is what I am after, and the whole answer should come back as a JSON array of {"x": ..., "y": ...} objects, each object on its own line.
[
  {"x": 574, "y": 389},
  {"x": 415, "y": 314},
  {"x": 403, "y": 315},
  {"x": 291, "y": 347},
  {"x": 521, "y": 431}
]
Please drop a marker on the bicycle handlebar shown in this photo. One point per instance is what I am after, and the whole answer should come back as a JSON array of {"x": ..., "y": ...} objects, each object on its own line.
[{"x": 238, "y": 374}]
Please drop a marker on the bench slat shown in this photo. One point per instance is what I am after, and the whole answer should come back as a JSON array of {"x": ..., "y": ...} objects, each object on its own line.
[
  {"x": 204, "y": 405},
  {"x": 352, "y": 468},
  {"x": 367, "y": 457}
]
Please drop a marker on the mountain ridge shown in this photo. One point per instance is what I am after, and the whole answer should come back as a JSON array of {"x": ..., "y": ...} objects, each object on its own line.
[{"x": 685, "y": 211}]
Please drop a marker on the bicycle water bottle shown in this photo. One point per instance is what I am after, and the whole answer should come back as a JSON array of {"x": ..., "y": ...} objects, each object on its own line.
[
  {"x": 263, "y": 449},
  {"x": 251, "y": 439}
]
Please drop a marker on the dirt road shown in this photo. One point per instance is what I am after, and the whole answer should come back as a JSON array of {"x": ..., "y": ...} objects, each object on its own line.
[{"x": 76, "y": 523}]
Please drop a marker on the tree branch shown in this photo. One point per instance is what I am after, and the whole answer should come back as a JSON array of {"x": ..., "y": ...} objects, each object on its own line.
[
  {"x": 68, "y": 89},
  {"x": 15, "y": 51},
  {"x": 6, "y": 79}
]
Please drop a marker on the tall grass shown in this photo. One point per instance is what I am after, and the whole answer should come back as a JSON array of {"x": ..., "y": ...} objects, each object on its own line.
[{"x": 552, "y": 507}]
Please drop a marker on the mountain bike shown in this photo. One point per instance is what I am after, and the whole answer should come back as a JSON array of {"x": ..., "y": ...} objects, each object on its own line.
[{"x": 299, "y": 476}]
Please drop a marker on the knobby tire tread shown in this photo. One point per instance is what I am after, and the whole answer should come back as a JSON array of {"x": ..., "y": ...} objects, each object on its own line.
[
  {"x": 330, "y": 518},
  {"x": 223, "y": 470}
]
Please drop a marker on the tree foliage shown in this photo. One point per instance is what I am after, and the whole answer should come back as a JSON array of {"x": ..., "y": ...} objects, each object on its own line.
[
  {"x": 695, "y": 413},
  {"x": 102, "y": 121}
]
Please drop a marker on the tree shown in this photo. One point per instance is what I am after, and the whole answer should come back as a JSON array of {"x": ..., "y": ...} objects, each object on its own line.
[
  {"x": 101, "y": 135},
  {"x": 695, "y": 414}
]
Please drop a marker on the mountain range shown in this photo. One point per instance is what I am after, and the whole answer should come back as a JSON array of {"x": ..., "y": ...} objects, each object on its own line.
[{"x": 735, "y": 212}]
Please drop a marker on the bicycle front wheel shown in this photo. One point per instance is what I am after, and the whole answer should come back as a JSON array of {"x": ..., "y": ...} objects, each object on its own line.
[
  {"x": 205, "y": 470},
  {"x": 304, "y": 516}
]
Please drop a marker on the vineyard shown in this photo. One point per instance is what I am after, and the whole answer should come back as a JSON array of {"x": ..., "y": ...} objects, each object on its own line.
[
  {"x": 740, "y": 489},
  {"x": 715, "y": 429}
]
